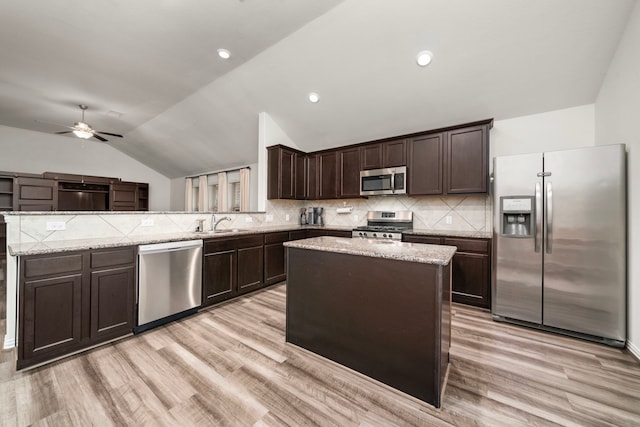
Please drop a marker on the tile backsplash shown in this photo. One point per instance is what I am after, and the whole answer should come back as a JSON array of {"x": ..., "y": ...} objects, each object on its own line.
[
  {"x": 470, "y": 213},
  {"x": 465, "y": 213}
]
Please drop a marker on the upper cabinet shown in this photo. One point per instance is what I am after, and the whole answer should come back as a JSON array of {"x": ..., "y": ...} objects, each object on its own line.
[
  {"x": 467, "y": 160},
  {"x": 349, "y": 172},
  {"x": 124, "y": 196},
  {"x": 386, "y": 154},
  {"x": 327, "y": 175},
  {"x": 281, "y": 173},
  {"x": 453, "y": 160},
  {"x": 35, "y": 194},
  {"x": 425, "y": 166}
]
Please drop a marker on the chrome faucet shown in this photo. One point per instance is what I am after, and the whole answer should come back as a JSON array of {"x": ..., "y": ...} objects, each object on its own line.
[{"x": 215, "y": 223}]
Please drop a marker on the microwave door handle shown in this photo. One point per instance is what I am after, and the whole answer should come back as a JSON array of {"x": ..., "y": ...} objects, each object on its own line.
[{"x": 393, "y": 182}]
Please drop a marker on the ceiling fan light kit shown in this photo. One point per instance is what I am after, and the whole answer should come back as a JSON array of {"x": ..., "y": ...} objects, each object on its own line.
[{"x": 84, "y": 130}]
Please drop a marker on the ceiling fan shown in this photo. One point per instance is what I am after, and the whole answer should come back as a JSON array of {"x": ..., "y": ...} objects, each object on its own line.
[{"x": 83, "y": 130}]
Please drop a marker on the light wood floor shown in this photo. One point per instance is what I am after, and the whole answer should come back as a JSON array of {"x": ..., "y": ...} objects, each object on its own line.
[{"x": 229, "y": 365}]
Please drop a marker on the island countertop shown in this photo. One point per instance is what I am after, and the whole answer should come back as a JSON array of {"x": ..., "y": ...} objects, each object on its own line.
[{"x": 400, "y": 251}]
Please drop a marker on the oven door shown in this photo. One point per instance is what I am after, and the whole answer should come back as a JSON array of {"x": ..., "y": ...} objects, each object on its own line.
[{"x": 383, "y": 181}]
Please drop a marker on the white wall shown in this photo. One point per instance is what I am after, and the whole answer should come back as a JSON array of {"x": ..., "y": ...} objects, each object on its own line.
[
  {"x": 617, "y": 113},
  {"x": 550, "y": 131},
  {"x": 37, "y": 152}
]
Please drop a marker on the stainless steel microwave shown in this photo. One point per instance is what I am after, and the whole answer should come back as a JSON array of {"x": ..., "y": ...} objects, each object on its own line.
[{"x": 376, "y": 182}]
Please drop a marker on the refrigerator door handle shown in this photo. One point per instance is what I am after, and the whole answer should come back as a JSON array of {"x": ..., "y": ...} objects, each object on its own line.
[
  {"x": 538, "y": 218},
  {"x": 548, "y": 218}
]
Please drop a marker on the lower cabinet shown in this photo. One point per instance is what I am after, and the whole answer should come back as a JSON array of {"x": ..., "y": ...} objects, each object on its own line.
[
  {"x": 70, "y": 301},
  {"x": 231, "y": 266},
  {"x": 470, "y": 269},
  {"x": 274, "y": 257}
]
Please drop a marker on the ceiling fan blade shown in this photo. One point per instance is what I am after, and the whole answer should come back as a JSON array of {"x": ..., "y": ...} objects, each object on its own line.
[
  {"x": 110, "y": 134},
  {"x": 99, "y": 137},
  {"x": 67, "y": 131}
]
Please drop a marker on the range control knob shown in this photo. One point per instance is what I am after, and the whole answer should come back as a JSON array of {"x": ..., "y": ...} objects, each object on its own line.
[
  {"x": 375, "y": 235},
  {"x": 362, "y": 234},
  {"x": 385, "y": 236}
]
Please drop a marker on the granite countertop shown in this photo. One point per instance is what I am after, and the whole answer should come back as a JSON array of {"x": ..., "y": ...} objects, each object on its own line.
[
  {"x": 46, "y": 247},
  {"x": 401, "y": 251}
]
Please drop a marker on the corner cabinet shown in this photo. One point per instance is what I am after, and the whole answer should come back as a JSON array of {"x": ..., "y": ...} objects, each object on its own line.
[
  {"x": 286, "y": 177},
  {"x": 471, "y": 267},
  {"x": 74, "y": 300}
]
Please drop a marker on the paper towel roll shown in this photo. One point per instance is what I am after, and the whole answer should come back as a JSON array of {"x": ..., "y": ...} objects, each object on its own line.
[{"x": 344, "y": 210}]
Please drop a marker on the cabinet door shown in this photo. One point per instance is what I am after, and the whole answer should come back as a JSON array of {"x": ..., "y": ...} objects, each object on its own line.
[
  {"x": 300, "y": 177},
  {"x": 338, "y": 233},
  {"x": 470, "y": 279},
  {"x": 112, "y": 303},
  {"x": 328, "y": 182},
  {"x": 274, "y": 263},
  {"x": 273, "y": 172},
  {"x": 123, "y": 196},
  {"x": 394, "y": 153},
  {"x": 35, "y": 194},
  {"x": 349, "y": 172},
  {"x": 313, "y": 188},
  {"x": 425, "y": 165},
  {"x": 467, "y": 161},
  {"x": 287, "y": 173},
  {"x": 250, "y": 268},
  {"x": 219, "y": 276},
  {"x": 51, "y": 318},
  {"x": 371, "y": 156}
]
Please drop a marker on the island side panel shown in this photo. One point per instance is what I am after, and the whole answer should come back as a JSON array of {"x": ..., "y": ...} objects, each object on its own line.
[
  {"x": 445, "y": 327},
  {"x": 377, "y": 316}
]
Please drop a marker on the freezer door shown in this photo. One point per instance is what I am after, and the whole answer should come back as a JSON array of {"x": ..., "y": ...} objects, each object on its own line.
[
  {"x": 517, "y": 286},
  {"x": 585, "y": 255}
]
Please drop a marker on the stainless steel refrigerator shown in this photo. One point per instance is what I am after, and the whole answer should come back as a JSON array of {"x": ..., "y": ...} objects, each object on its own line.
[{"x": 560, "y": 241}]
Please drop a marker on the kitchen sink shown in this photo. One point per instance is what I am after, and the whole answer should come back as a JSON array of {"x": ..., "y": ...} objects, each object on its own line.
[{"x": 224, "y": 231}]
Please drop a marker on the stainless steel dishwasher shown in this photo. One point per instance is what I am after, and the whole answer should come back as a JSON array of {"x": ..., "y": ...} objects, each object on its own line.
[{"x": 169, "y": 282}]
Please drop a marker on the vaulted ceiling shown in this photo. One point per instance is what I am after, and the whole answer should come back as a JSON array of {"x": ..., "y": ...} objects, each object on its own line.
[{"x": 148, "y": 69}]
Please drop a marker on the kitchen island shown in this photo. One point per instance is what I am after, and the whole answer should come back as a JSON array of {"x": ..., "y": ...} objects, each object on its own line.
[{"x": 381, "y": 308}]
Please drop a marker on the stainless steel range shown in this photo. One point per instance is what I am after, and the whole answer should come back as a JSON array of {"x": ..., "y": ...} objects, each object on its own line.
[{"x": 387, "y": 225}]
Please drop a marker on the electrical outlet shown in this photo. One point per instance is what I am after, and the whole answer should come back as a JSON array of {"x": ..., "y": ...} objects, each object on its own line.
[
  {"x": 268, "y": 218},
  {"x": 355, "y": 217},
  {"x": 448, "y": 220},
  {"x": 147, "y": 222},
  {"x": 56, "y": 225},
  {"x": 248, "y": 219},
  {"x": 286, "y": 217}
]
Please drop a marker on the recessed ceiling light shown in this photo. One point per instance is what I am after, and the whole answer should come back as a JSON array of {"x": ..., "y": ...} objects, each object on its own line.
[
  {"x": 224, "y": 53},
  {"x": 424, "y": 58},
  {"x": 314, "y": 97}
]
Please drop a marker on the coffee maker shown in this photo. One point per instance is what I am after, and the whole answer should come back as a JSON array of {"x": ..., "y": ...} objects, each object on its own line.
[{"x": 314, "y": 216}]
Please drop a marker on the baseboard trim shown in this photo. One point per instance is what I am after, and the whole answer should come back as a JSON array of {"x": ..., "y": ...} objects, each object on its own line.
[
  {"x": 633, "y": 350},
  {"x": 9, "y": 343}
]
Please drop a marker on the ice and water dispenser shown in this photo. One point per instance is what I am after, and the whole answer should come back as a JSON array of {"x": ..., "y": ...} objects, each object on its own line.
[{"x": 517, "y": 214}]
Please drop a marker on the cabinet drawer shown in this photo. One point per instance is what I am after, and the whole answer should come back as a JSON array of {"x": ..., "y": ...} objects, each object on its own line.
[
  {"x": 278, "y": 237},
  {"x": 427, "y": 240},
  {"x": 52, "y": 265},
  {"x": 468, "y": 245},
  {"x": 113, "y": 257},
  {"x": 219, "y": 245}
]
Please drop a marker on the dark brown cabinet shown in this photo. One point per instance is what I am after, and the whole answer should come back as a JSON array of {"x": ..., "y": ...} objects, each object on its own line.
[
  {"x": 231, "y": 267},
  {"x": 327, "y": 175},
  {"x": 471, "y": 271},
  {"x": 312, "y": 184},
  {"x": 425, "y": 165},
  {"x": 281, "y": 179},
  {"x": 6, "y": 192},
  {"x": 471, "y": 267},
  {"x": 394, "y": 153},
  {"x": 35, "y": 194},
  {"x": 371, "y": 156},
  {"x": 349, "y": 172},
  {"x": 274, "y": 257},
  {"x": 70, "y": 301},
  {"x": 467, "y": 160},
  {"x": 123, "y": 196},
  {"x": 143, "y": 197},
  {"x": 300, "y": 177}
]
